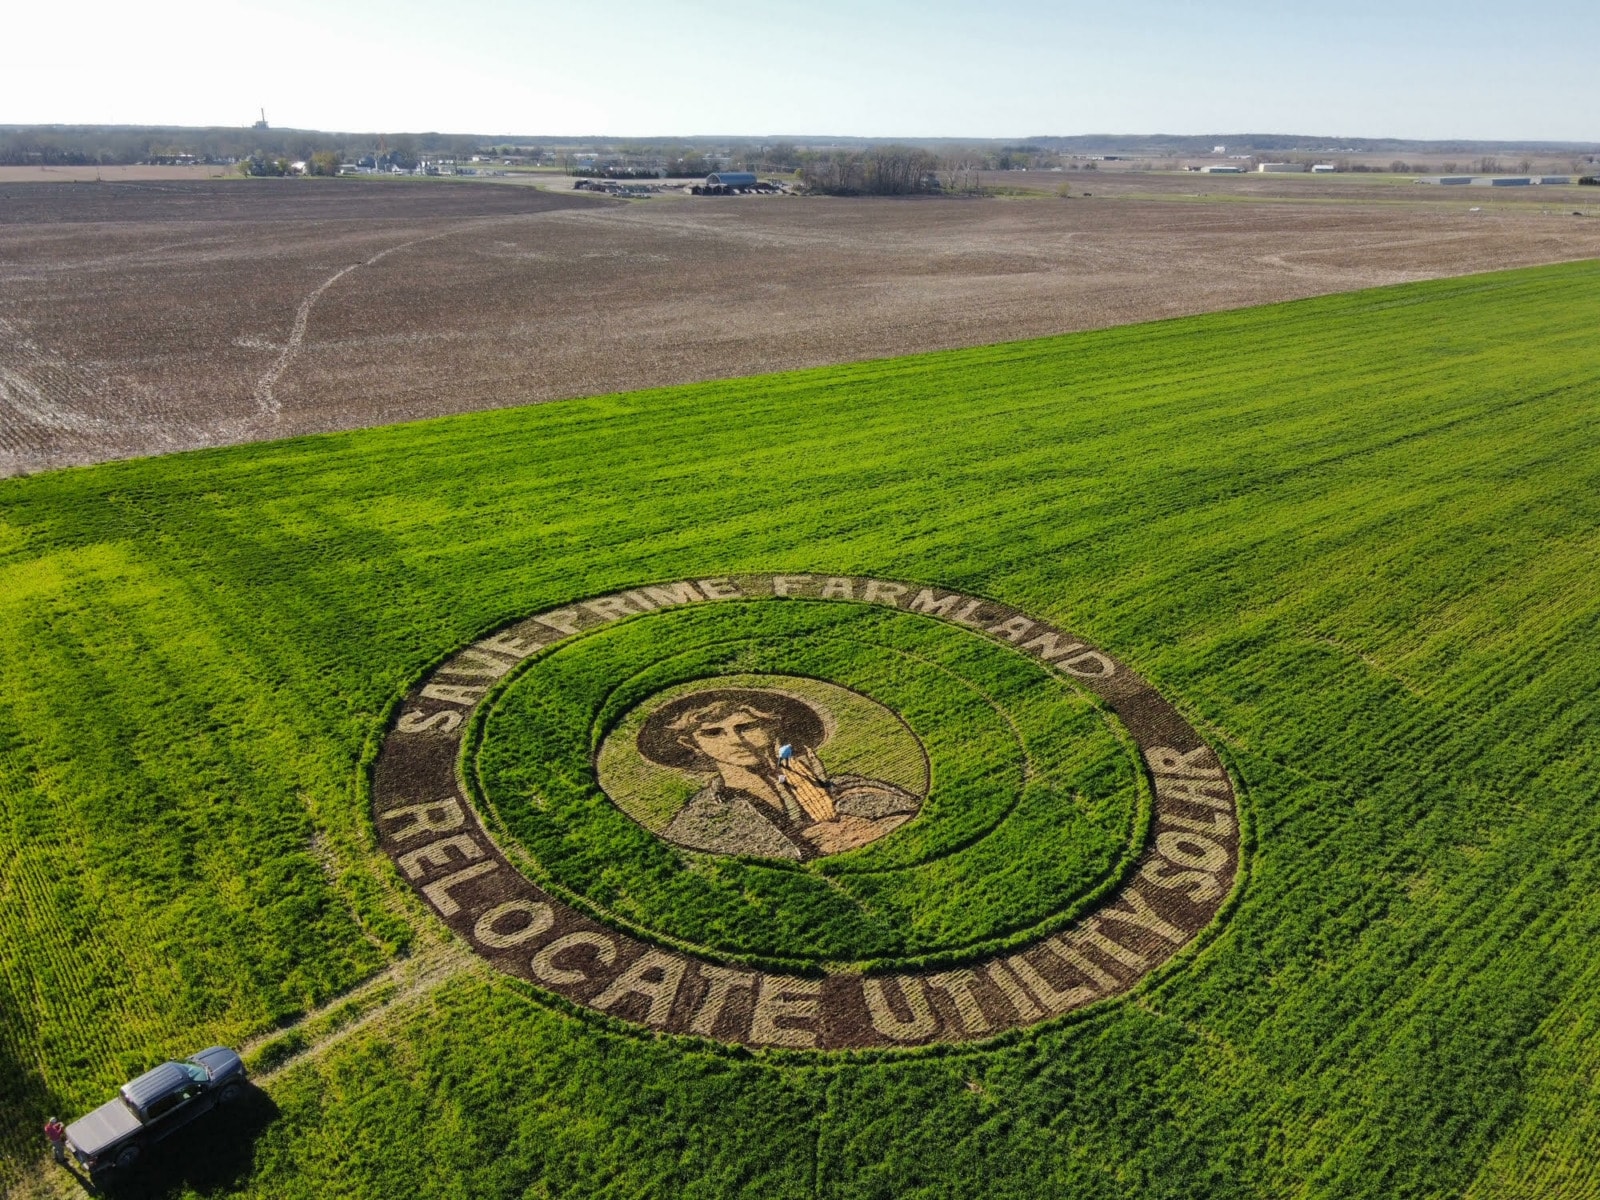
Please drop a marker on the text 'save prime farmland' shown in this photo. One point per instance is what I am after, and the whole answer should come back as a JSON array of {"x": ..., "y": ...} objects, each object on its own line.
[{"x": 807, "y": 812}]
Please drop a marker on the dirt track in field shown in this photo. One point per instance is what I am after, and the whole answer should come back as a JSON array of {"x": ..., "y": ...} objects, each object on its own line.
[{"x": 139, "y": 317}]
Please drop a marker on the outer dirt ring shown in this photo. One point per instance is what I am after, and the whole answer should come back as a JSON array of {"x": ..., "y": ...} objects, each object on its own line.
[{"x": 1182, "y": 879}]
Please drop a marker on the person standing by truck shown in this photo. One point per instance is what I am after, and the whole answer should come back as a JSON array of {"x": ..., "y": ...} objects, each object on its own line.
[{"x": 56, "y": 1134}]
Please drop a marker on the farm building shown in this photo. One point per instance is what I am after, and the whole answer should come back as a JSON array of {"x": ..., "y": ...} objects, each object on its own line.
[
  {"x": 733, "y": 183},
  {"x": 1497, "y": 180},
  {"x": 1221, "y": 170},
  {"x": 1323, "y": 168},
  {"x": 1281, "y": 168}
]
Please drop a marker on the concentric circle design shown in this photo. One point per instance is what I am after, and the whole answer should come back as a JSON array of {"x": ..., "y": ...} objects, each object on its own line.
[{"x": 807, "y": 812}]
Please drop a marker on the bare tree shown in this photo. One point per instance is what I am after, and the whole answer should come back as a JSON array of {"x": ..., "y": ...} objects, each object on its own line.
[
  {"x": 901, "y": 171},
  {"x": 961, "y": 174},
  {"x": 839, "y": 173},
  {"x": 880, "y": 171}
]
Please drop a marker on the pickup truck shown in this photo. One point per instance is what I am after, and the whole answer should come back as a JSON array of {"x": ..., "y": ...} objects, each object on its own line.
[{"x": 152, "y": 1106}]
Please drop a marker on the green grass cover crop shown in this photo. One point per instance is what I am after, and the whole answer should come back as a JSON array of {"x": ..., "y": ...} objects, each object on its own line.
[{"x": 1354, "y": 539}]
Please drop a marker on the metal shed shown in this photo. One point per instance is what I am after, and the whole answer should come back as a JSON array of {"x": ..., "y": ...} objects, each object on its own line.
[{"x": 731, "y": 179}]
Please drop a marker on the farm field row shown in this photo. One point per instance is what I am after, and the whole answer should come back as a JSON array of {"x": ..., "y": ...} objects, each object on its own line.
[
  {"x": 1351, "y": 538},
  {"x": 143, "y": 317}
]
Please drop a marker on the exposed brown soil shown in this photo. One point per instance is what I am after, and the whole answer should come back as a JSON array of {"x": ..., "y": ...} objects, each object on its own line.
[
  {"x": 121, "y": 171},
  {"x": 150, "y": 315}
]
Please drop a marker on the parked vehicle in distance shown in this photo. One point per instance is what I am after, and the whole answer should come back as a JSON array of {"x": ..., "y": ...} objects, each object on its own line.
[{"x": 157, "y": 1103}]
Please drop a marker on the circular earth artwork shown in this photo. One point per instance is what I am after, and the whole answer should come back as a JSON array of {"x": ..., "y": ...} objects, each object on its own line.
[{"x": 807, "y": 812}]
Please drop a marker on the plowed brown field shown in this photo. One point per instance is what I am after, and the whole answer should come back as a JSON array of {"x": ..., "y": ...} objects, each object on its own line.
[{"x": 139, "y": 317}]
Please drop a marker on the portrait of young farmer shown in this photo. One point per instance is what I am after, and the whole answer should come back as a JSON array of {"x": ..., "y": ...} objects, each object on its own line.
[{"x": 766, "y": 791}]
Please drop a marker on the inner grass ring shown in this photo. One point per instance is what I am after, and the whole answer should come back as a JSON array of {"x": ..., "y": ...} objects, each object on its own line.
[{"x": 1032, "y": 801}]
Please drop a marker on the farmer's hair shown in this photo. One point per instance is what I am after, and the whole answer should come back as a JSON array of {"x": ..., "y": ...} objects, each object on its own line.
[
  {"x": 716, "y": 711},
  {"x": 666, "y": 736}
]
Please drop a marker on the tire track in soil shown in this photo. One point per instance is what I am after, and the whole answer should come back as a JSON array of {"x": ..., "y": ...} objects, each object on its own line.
[
  {"x": 268, "y": 408},
  {"x": 37, "y": 394},
  {"x": 38, "y": 270},
  {"x": 411, "y": 978},
  {"x": 23, "y": 398}
]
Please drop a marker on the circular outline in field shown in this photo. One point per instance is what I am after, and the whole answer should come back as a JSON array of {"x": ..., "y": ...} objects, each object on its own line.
[
  {"x": 792, "y": 956},
  {"x": 1182, "y": 878}
]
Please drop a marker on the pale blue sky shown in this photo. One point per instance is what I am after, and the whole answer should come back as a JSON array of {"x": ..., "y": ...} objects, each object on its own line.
[{"x": 958, "y": 68}]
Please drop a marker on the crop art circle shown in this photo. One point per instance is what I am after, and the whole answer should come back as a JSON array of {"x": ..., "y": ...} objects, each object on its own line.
[{"x": 807, "y": 812}]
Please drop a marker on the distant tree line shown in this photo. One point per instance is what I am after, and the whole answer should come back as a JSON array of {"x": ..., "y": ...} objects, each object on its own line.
[
  {"x": 90, "y": 145},
  {"x": 878, "y": 171},
  {"x": 52, "y": 145},
  {"x": 898, "y": 170},
  {"x": 321, "y": 162}
]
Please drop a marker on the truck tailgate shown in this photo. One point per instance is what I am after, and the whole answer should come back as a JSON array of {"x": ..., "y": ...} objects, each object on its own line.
[{"x": 105, "y": 1126}]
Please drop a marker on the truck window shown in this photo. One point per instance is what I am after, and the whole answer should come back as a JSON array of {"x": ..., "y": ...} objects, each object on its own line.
[{"x": 161, "y": 1107}]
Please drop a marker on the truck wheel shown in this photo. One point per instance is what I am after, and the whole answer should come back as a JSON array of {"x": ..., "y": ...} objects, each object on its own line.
[
  {"x": 126, "y": 1157},
  {"x": 230, "y": 1093}
]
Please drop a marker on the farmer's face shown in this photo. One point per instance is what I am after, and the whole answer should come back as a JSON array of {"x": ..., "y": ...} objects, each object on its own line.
[{"x": 738, "y": 740}]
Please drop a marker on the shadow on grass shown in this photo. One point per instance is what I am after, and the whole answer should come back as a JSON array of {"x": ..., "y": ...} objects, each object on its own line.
[{"x": 214, "y": 1153}]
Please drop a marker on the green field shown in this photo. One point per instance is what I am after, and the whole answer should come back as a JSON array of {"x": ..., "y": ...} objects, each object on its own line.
[{"x": 1354, "y": 539}]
